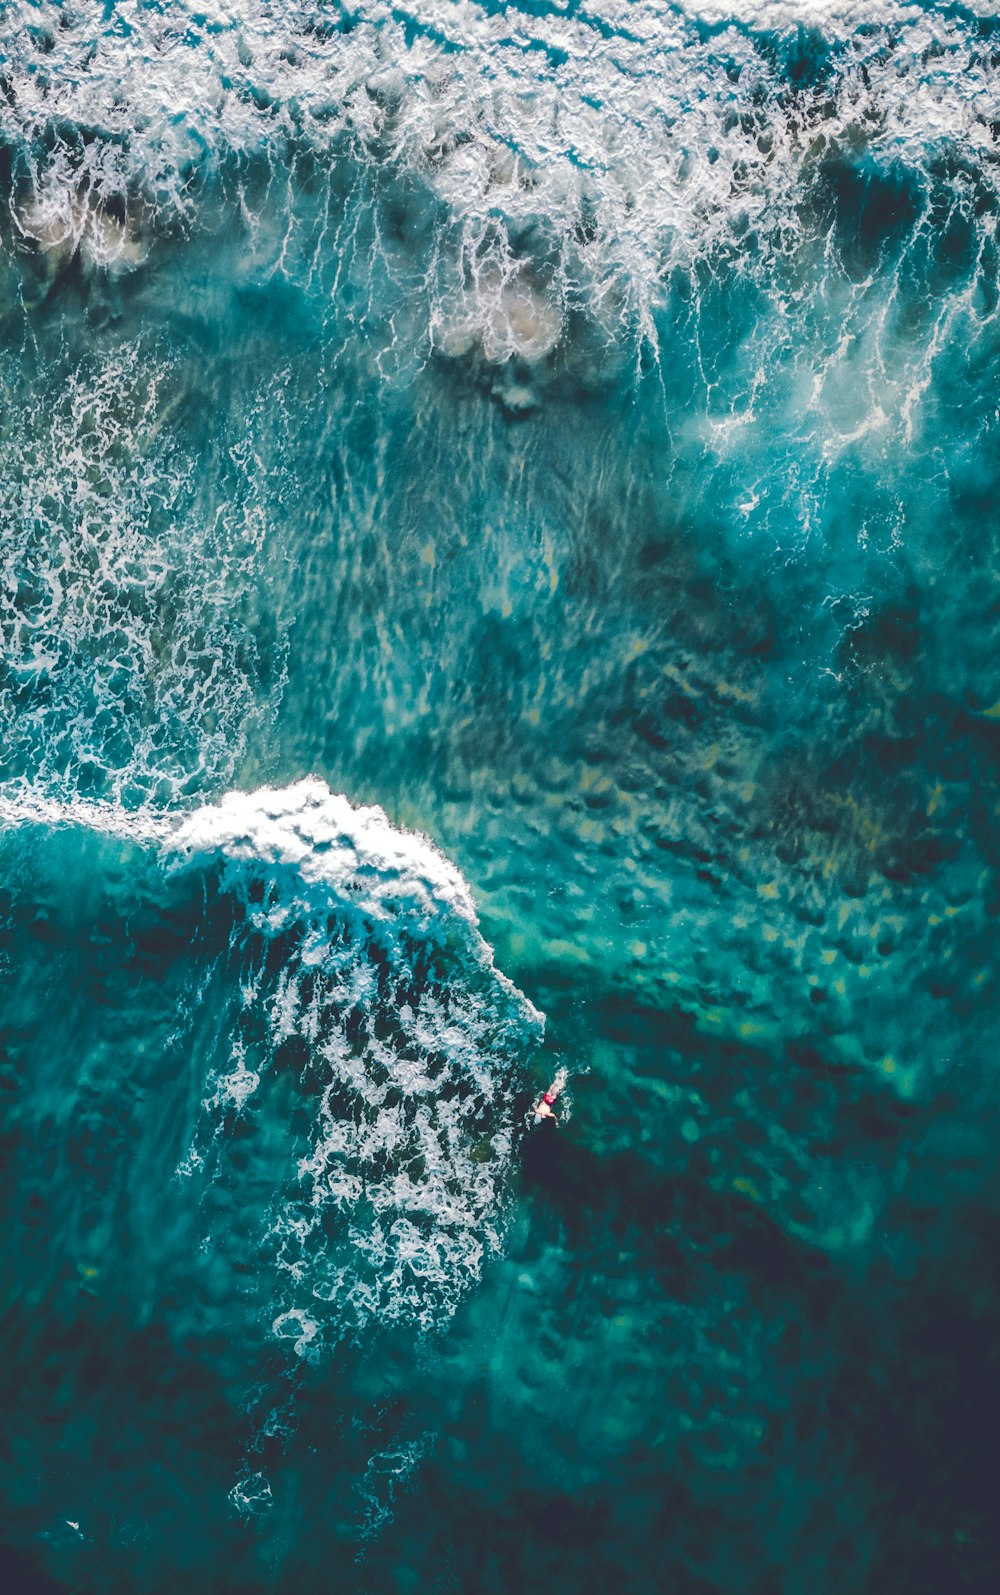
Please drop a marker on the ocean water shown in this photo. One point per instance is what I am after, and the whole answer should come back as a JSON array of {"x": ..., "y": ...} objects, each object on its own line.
[{"x": 500, "y": 547}]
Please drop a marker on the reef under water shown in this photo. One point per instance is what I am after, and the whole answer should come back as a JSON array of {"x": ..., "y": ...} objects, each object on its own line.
[{"x": 500, "y": 555}]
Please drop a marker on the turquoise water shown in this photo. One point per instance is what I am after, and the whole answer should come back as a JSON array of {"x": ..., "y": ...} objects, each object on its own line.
[{"x": 498, "y": 521}]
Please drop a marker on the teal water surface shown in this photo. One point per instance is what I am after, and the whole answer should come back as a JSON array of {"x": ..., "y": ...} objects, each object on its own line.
[{"x": 575, "y": 434}]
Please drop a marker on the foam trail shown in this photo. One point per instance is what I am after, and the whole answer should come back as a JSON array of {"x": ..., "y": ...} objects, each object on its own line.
[{"x": 25, "y": 807}]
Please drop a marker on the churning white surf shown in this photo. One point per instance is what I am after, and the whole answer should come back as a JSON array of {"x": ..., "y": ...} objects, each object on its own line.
[
  {"x": 558, "y": 161},
  {"x": 128, "y": 610},
  {"x": 324, "y": 851},
  {"x": 407, "y": 1040}
]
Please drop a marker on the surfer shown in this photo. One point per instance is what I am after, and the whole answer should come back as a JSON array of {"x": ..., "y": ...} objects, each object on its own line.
[{"x": 544, "y": 1108}]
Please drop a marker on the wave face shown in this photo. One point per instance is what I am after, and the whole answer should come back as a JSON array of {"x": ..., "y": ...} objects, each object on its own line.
[{"x": 361, "y": 968}]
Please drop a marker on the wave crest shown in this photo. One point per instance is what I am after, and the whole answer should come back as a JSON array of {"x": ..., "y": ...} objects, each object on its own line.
[{"x": 362, "y": 971}]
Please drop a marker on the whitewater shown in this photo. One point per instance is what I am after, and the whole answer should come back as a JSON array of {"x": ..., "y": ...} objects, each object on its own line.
[{"x": 548, "y": 160}]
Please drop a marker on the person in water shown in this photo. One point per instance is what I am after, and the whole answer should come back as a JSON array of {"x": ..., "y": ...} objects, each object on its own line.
[{"x": 545, "y": 1108}]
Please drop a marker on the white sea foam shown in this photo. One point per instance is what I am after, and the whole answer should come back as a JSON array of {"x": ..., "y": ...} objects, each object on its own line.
[
  {"x": 503, "y": 318},
  {"x": 386, "y": 1474},
  {"x": 607, "y": 146},
  {"x": 23, "y": 806},
  {"x": 251, "y": 1494},
  {"x": 327, "y": 852},
  {"x": 834, "y": 17},
  {"x": 61, "y": 221},
  {"x": 129, "y": 669}
]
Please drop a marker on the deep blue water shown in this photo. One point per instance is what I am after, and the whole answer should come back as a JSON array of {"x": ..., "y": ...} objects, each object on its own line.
[{"x": 500, "y": 572}]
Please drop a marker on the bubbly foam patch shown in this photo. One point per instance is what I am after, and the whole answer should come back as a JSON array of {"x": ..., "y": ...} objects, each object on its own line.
[
  {"x": 129, "y": 669},
  {"x": 62, "y": 220},
  {"x": 387, "y": 1473},
  {"x": 576, "y": 157},
  {"x": 386, "y": 1002}
]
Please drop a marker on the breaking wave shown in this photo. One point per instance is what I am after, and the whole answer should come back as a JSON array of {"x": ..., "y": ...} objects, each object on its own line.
[
  {"x": 363, "y": 970},
  {"x": 365, "y": 995}
]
